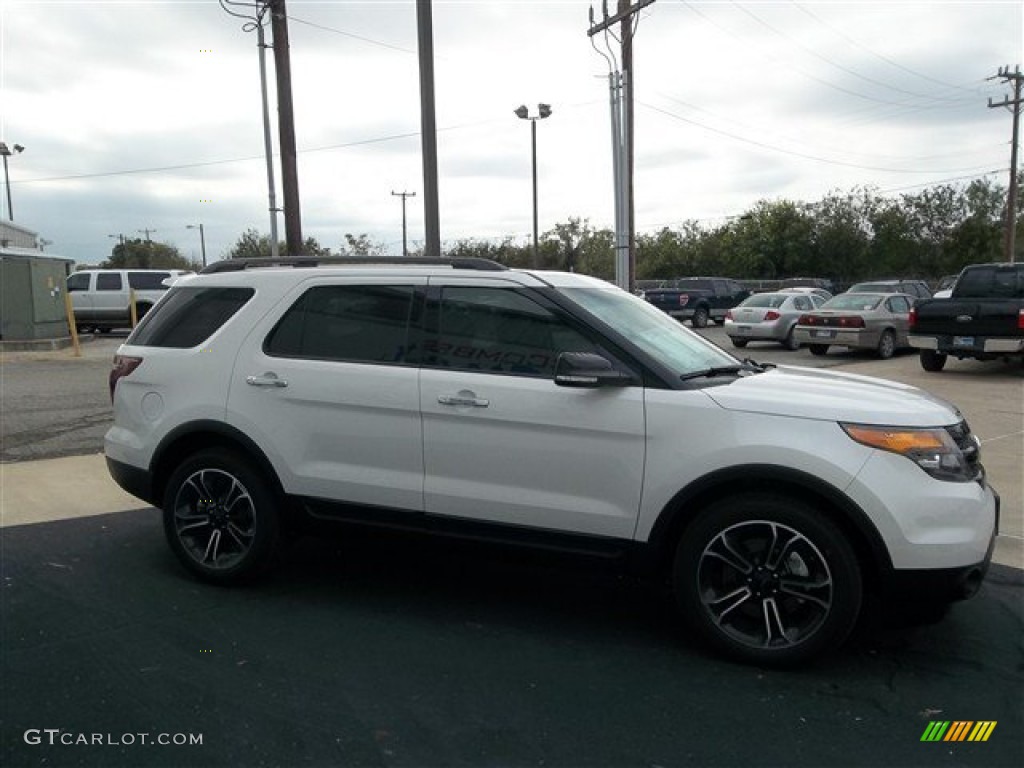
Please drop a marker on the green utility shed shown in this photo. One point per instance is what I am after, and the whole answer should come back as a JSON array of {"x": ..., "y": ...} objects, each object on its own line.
[{"x": 32, "y": 285}]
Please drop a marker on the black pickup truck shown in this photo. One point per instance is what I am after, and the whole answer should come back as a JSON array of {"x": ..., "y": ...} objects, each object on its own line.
[
  {"x": 982, "y": 319},
  {"x": 697, "y": 299}
]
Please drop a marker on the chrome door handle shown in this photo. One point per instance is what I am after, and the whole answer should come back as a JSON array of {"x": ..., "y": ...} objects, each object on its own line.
[
  {"x": 266, "y": 380},
  {"x": 463, "y": 399}
]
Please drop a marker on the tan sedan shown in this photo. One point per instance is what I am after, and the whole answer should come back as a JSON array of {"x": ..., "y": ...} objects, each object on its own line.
[{"x": 877, "y": 321}]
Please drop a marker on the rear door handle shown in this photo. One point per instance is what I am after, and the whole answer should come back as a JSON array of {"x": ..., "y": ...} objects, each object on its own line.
[
  {"x": 268, "y": 379},
  {"x": 464, "y": 398}
]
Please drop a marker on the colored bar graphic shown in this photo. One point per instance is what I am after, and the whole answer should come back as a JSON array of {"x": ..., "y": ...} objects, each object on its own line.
[
  {"x": 935, "y": 731},
  {"x": 982, "y": 730},
  {"x": 959, "y": 730}
]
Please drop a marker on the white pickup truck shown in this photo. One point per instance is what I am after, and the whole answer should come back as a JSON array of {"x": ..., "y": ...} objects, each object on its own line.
[{"x": 102, "y": 298}]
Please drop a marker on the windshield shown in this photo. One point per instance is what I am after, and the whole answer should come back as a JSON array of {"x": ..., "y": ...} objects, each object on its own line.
[{"x": 653, "y": 331}]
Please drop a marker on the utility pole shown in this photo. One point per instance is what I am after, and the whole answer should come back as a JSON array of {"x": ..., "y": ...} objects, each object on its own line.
[
  {"x": 286, "y": 128},
  {"x": 1014, "y": 105},
  {"x": 621, "y": 86},
  {"x": 403, "y": 195},
  {"x": 147, "y": 233},
  {"x": 258, "y": 21},
  {"x": 428, "y": 128}
]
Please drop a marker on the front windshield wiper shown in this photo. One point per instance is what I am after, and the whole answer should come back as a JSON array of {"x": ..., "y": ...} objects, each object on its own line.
[{"x": 748, "y": 365}]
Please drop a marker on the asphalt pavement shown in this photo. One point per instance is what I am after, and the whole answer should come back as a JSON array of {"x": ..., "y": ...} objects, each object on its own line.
[{"x": 394, "y": 651}]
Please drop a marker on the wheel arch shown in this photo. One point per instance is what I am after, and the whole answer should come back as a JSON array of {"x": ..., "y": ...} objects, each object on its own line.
[
  {"x": 737, "y": 481},
  {"x": 191, "y": 437}
]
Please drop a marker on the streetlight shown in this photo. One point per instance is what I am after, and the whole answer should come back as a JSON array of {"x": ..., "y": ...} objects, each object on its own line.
[
  {"x": 7, "y": 152},
  {"x": 202, "y": 238},
  {"x": 543, "y": 110}
]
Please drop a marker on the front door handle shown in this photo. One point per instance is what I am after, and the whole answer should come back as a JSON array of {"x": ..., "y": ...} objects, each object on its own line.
[
  {"x": 464, "y": 398},
  {"x": 268, "y": 379}
]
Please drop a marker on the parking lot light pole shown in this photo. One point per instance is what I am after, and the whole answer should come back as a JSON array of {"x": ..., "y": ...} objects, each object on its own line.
[
  {"x": 202, "y": 239},
  {"x": 7, "y": 152},
  {"x": 543, "y": 111}
]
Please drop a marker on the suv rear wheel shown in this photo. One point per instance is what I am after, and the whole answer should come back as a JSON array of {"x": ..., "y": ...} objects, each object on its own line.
[
  {"x": 767, "y": 580},
  {"x": 700, "y": 318},
  {"x": 220, "y": 517}
]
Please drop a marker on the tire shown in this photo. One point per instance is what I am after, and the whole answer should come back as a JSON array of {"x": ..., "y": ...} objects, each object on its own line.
[
  {"x": 738, "y": 343},
  {"x": 700, "y": 318},
  {"x": 221, "y": 518},
  {"x": 790, "y": 341},
  {"x": 818, "y": 350},
  {"x": 932, "y": 361},
  {"x": 886, "y": 345},
  {"x": 768, "y": 580}
]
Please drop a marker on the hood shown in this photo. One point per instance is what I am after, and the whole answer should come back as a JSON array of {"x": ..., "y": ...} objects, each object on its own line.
[{"x": 814, "y": 393}]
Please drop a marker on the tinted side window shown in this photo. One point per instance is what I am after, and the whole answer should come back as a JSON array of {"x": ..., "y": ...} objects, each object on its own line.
[
  {"x": 148, "y": 281},
  {"x": 899, "y": 305},
  {"x": 497, "y": 330},
  {"x": 108, "y": 281},
  {"x": 361, "y": 323},
  {"x": 78, "y": 282},
  {"x": 188, "y": 316}
]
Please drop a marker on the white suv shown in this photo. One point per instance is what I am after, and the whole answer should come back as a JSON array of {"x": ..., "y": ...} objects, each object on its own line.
[{"x": 542, "y": 408}]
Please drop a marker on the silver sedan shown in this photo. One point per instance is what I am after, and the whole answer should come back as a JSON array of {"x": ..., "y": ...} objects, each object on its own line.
[
  {"x": 769, "y": 317},
  {"x": 878, "y": 321}
]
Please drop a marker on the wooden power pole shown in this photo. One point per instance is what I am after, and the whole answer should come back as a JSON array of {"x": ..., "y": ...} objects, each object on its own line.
[{"x": 286, "y": 128}]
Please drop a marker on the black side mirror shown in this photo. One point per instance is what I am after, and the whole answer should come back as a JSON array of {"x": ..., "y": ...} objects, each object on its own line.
[{"x": 586, "y": 369}]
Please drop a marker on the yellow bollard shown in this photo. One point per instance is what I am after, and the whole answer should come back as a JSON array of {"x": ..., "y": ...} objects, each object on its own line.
[
  {"x": 69, "y": 310},
  {"x": 131, "y": 299}
]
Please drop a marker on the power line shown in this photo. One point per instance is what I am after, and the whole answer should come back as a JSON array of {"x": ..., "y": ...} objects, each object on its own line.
[
  {"x": 783, "y": 63},
  {"x": 794, "y": 153},
  {"x": 829, "y": 61},
  {"x": 886, "y": 59}
]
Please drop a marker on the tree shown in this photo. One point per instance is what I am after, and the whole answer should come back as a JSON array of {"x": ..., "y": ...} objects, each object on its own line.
[
  {"x": 361, "y": 245},
  {"x": 147, "y": 254},
  {"x": 252, "y": 245}
]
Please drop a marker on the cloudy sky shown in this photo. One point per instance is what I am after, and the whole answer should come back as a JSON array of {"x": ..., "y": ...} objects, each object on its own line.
[{"x": 146, "y": 115}]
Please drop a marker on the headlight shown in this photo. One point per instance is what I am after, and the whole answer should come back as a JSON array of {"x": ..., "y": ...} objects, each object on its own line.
[{"x": 932, "y": 449}]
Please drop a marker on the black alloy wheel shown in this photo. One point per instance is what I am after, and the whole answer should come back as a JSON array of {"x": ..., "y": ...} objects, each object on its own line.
[
  {"x": 220, "y": 518},
  {"x": 767, "y": 579}
]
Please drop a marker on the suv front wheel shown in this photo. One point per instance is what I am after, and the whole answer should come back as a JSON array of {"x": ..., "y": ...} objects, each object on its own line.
[
  {"x": 220, "y": 517},
  {"x": 766, "y": 579}
]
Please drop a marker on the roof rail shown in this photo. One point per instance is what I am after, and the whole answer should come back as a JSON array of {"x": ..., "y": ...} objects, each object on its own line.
[{"x": 238, "y": 265}]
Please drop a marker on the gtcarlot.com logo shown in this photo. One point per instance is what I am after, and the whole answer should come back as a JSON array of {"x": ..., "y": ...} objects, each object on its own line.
[
  {"x": 59, "y": 737},
  {"x": 959, "y": 730}
]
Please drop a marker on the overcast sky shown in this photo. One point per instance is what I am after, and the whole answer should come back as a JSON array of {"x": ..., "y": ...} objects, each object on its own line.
[{"x": 143, "y": 114}]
